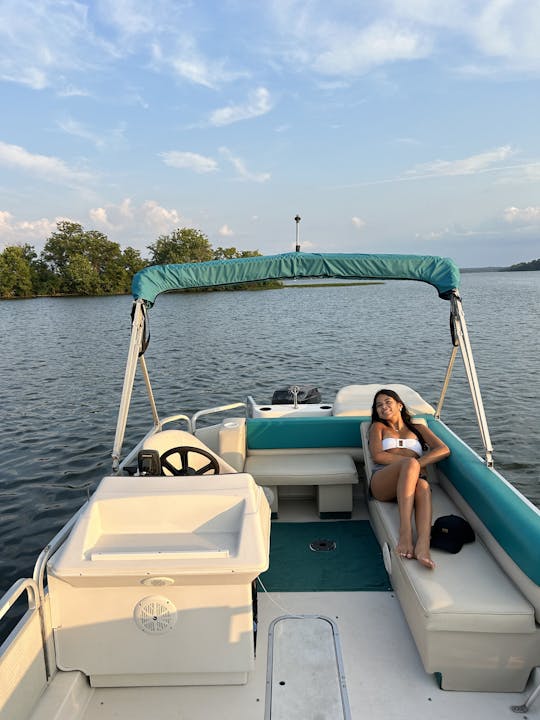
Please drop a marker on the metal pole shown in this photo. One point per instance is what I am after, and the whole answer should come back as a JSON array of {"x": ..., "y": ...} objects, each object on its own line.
[
  {"x": 297, "y": 221},
  {"x": 137, "y": 331},
  {"x": 470, "y": 370}
]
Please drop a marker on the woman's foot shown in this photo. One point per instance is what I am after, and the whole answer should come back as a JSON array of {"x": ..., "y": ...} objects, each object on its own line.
[
  {"x": 422, "y": 554},
  {"x": 404, "y": 548}
]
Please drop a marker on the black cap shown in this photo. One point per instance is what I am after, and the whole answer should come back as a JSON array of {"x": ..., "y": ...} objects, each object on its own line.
[{"x": 450, "y": 533}]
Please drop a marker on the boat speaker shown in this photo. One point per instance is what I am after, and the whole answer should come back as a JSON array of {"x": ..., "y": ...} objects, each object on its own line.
[{"x": 155, "y": 615}]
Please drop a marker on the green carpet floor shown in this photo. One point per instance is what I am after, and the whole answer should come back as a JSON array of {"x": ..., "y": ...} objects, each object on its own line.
[{"x": 355, "y": 564}]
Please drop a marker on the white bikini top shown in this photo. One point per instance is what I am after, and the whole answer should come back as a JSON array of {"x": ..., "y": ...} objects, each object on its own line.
[{"x": 413, "y": 444}]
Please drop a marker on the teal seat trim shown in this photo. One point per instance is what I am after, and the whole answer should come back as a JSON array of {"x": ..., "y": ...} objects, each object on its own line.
[
  {"x": 513, "y": 523},
  {"x": 308, "y": 432}
]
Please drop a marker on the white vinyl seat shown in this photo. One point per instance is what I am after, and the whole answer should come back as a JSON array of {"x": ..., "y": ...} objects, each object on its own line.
[
  {"x": 169, "y": 439},
  {"x": 469, "y": 621}
]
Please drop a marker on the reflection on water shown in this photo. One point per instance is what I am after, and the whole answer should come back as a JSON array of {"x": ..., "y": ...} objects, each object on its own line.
[{"x": 64, "y": 359}]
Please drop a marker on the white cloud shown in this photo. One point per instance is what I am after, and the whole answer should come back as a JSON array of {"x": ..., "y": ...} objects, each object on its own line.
[
  {"x": 345, "y": 39},
  {"x": 41, "y": 166},
  {"x": 349, "y": 39},
  {"x": 190, "y": 161},
  {"x": 241, "y": 169},
  {"x": 112, "y": 216},
  {"x": 131, "y": 18},
  {"x": 125, "y": 218},
  {"x": 483, "y": 162},
  {"x": 508, "y": 30},
  {"x": 527, "y": 215},
  {"x": 41, "y": 41},
  {"x": 187, "y": 62},
  {"x": 191, "y": 65},
  {"x": 258, "y": 103},
  {"x": 73, "y": 91},
  {"x": 353, "y": 52},
  {"x": 24, "y": 231},
  {"x": 225, "y": 231},
  {"x": 358, "y": 222},
  {"x": 77, "y": 129}
]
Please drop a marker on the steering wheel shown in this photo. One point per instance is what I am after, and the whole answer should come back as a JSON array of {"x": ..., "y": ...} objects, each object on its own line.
[{"x": 184, "y": 451}]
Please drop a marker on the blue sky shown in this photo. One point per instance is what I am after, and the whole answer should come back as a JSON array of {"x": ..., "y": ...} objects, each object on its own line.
[{"x": 390, "y": 126}]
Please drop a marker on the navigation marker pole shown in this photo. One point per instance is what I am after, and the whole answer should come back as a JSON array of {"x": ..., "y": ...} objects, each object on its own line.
[{"x": 297, "y": 221}]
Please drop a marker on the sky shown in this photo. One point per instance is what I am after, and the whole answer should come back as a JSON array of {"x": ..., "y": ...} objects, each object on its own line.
[{"x": 408, "y": 126}]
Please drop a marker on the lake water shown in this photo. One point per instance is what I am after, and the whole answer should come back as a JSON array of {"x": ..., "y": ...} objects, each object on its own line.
[{"x": 63, "y": 362}]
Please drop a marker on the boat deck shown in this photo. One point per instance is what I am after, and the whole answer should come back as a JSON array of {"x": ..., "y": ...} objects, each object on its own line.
[{"x": 381, "y": 675}]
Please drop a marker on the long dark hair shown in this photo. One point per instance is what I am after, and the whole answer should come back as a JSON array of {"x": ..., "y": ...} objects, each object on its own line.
[{"x": 405, "y": 415}]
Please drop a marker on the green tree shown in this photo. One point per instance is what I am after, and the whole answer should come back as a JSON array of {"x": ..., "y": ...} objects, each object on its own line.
[
  {"x": 132, "y": 261},
  {"x": 63, "y": 244},
  {"x": 80, "y": 277},
  {"x": 531, "y": 265},
  {"x": 184, "y": 245},
  {"x": 86, "y": 262},
  {"x": 230, "y": 253},
  {"x": 15, "y": 272}
]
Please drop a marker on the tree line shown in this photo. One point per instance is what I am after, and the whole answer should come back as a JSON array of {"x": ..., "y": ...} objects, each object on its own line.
[
  {"x": 75, "y": 261},
  {"x": 531, "y": 265}
]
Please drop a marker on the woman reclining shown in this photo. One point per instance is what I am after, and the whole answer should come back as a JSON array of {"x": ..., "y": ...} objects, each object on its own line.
[{"x": 401, "y": 451}]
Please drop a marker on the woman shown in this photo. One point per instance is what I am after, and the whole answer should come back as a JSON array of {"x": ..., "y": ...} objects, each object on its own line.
[{"x": 401, "y": 451}]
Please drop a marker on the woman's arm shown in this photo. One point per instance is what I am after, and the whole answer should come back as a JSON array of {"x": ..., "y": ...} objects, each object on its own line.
[{"x": 437, "y": 449}]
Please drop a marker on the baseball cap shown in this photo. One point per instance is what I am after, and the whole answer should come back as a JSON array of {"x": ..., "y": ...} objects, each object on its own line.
[{"x": 450, "y": 533}]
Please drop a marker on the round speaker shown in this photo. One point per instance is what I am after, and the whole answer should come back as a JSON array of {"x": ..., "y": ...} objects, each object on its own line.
[{"x": 155, "y": 615}]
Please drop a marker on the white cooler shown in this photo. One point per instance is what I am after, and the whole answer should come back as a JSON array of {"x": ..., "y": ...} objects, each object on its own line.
[{"x": 154, "y": 584}]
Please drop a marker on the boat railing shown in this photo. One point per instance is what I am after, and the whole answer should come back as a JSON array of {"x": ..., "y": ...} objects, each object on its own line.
[
  {"x": 39, "y": 579},
  {"x": 210, "y": 411},
  {"x": 11, "y": 596},
  {"x": 28, "y": 634}
]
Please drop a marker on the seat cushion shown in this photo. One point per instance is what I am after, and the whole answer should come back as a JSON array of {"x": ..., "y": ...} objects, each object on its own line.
[
  {"x": 467, "y": 591},
  {"x": 302, "y": 469},
  {"x": 358, "y": 399}
]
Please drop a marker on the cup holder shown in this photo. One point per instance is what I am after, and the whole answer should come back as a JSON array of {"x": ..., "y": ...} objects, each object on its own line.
[{"x": 265, "y": 409}]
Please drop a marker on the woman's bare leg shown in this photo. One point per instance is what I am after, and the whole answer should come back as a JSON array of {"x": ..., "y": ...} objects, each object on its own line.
[
  {"x": 398, "y": 481},
  {"x": 423, "y": 516}
]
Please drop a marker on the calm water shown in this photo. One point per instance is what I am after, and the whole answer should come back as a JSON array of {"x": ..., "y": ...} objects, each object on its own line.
[{"x": 63, "y": 362}]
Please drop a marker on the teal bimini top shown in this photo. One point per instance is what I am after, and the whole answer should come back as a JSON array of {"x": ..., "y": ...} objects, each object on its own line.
[{"x": 440, "y": 272}]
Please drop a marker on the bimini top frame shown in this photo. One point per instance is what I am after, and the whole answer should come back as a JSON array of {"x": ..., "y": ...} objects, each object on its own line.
[{"x": 441, "y": 273}]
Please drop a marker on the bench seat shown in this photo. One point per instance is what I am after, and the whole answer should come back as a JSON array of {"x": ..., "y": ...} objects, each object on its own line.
[
  {"x": 333, "y": 474},
  {"x": 471, "y": 624}
]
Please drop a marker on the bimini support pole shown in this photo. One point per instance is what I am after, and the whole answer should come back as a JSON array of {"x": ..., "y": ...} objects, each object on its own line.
[
  {"x": 149, "y": 390},
  {"x": 446, "y": 381},
  {"x": 137, "y": 334},
  {"x": 462, "y": 337}
]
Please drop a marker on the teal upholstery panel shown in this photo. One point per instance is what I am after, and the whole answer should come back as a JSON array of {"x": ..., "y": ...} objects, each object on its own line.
[{"x": 307, "y": 432}]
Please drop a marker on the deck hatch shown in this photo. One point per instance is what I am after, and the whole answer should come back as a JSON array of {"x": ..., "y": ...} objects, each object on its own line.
[{"x": 305, "y": 676}]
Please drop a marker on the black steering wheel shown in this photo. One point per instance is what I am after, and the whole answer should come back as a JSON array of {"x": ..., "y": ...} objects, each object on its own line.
[{"x": 183, "y": 452}]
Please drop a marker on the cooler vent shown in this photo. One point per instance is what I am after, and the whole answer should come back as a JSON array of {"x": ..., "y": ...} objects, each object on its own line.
[{"x": 155, "y": 614}]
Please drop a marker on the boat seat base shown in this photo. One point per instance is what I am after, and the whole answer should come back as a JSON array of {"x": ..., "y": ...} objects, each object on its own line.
[{"x": 332, "y": 474}]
